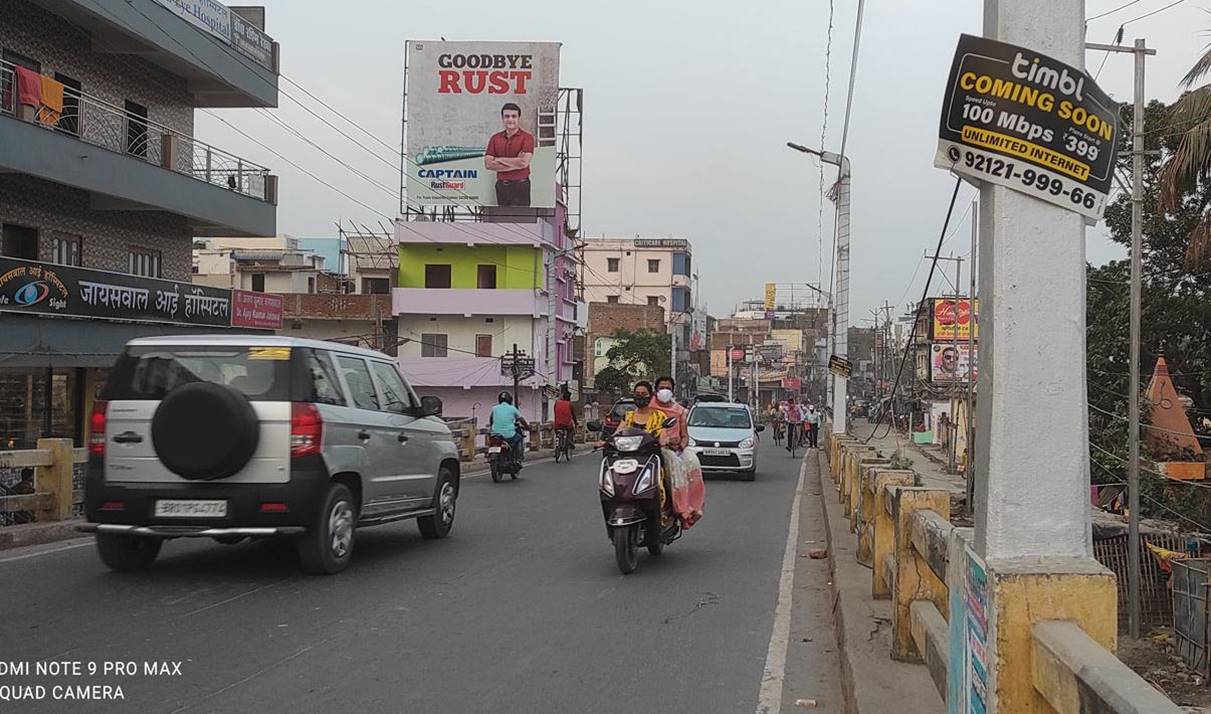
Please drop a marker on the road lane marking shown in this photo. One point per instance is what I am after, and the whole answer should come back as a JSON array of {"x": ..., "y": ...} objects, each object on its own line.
[
  {"x": 769, "y": 700},
  {"x": 233, "y": 598},
  {"x": 44, "y": 552}
]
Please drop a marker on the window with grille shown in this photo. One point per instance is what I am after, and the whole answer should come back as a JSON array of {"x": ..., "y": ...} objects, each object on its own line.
[
  {"x": 654, "y": 266},
  {"x": 433, "y": 345},
  {"x": 144, "y": 262}
]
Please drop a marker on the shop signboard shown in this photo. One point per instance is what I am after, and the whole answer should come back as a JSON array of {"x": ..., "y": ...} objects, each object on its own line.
[
  {"x": 839, "y": 366},
  {"x": 1017, "y": 118},
  {"x": 32, "y": 288},
  {"x": 949, "y": 361},
  {"x": 249, "y": 39},
  {"x": 211, "y": 16},
  {"x": 952, "y": 319},
  {"x": 262, "y": 311},
  {"x": 480, "y": 123}
]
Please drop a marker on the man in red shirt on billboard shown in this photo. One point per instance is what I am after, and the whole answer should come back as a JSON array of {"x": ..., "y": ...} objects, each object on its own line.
[{"x": 509, "y": 153}]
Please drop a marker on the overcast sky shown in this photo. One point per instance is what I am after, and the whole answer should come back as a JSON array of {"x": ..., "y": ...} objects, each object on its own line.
[{"x": 687, "y": 110}]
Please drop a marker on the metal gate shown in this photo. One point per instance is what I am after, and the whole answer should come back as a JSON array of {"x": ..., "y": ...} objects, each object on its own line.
[{"x": 1190, "y": 610}]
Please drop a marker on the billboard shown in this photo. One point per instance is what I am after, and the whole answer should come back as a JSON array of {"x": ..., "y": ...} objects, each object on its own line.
[
  {"x": 480, "y": 122},
  {"x": 1018, "y": 118},
  {"x": 771, "y": 295},
  {"x": 952, "y": 319},
  {"x": 948, "y": 363}
]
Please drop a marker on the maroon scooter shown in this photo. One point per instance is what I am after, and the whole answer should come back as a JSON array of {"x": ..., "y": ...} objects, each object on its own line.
[{"x": 629, "y": 487}]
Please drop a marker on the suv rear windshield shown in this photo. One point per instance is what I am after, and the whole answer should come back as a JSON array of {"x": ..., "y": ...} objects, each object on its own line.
[
  {"x": 721, "y": 417},
  {"x": 150, "y": 372}
]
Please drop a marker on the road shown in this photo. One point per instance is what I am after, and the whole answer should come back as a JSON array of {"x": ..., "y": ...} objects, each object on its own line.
[{"x": 520, "y": 610}]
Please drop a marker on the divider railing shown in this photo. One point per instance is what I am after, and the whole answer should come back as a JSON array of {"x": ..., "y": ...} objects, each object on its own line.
[{"x": 905, "y": 536}]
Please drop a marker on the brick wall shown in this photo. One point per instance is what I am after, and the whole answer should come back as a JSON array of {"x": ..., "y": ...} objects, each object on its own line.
[
  {"x": 606, "y": 317},
  {"x": 62, "y": 47},
  {"x": 106, "y": 236}
]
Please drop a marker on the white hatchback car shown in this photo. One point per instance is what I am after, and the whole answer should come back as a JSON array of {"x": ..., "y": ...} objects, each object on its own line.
[{"x": 724, "y": 437}]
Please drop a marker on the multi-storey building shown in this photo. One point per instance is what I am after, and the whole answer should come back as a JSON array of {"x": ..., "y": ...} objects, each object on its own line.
[
  {"x": 648, "y": 271},
  {"x": 103, "y": 187},
  {"x": 265, "y": 265},
  {"x": 468, "y": 293}
]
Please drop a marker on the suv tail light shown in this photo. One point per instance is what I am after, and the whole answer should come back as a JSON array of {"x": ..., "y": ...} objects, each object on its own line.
[
  {"x": 306, "y": 429},
  {"x": 96, "y": 429}
]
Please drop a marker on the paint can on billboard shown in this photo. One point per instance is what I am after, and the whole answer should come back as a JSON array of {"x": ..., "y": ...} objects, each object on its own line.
[{"x": 480, "y": 123}]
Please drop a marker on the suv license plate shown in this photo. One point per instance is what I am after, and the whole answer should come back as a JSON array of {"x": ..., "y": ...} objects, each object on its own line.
[
  {"x": 717, "y": 452},
  {"x": 182, "y": 508}
]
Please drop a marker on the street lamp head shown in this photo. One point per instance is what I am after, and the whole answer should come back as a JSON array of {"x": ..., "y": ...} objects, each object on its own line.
[{"x": 800, "y": 147}]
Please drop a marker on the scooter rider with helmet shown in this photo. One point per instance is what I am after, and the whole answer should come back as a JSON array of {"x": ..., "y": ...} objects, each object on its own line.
[{"x": 507, "y": 423}]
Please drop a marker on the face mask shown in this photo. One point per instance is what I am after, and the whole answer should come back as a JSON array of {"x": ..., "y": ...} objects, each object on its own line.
[
  {"x": 664, "y": 396},
  {"x": 642, "y": 401}
]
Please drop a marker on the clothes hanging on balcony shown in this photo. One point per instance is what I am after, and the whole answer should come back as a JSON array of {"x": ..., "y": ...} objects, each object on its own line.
[
  {"x": 29, "y": 87},
  {"x": 52, "y": 100}
]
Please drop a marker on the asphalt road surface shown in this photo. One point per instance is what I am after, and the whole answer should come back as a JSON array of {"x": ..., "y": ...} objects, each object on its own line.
[{"x": 521, "y": 610}]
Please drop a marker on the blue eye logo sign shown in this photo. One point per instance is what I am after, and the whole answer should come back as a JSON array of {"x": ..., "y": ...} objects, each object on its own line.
[{"x": 31, "y": 293}]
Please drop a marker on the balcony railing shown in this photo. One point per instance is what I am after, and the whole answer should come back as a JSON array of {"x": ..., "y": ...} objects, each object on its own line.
[{"x": 102, "y": 124}]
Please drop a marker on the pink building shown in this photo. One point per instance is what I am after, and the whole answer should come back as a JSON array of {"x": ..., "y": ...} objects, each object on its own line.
[{"x": 468, "y": 292}]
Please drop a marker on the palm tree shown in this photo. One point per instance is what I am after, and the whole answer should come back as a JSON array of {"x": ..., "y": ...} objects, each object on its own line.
[{"x": 1191, "y": 161}]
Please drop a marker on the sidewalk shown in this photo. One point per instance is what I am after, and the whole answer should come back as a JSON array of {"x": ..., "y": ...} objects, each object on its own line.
[
  {"x": 872, "y": 681},
  {"x": 929, "y": 465}
]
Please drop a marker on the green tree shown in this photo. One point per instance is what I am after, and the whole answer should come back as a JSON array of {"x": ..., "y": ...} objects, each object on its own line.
[
  {"x": 1175, "y": 313},
  {"x": 635, "y": 355}
]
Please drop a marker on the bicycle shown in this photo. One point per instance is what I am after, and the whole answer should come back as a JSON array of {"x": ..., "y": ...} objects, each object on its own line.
[
  {"x": 793, "y": 436},
  {"x": 563, "y": 444}
]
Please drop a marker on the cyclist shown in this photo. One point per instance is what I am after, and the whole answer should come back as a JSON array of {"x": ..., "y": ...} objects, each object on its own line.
[
  {"x": 794, "y": 423},
  {"x": 565, "y": 418}
]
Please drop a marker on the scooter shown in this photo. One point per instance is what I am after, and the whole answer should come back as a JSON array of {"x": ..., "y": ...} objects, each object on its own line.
[
  {"x": 501, "y": 459},
  {"x": 630, "y": 486}
]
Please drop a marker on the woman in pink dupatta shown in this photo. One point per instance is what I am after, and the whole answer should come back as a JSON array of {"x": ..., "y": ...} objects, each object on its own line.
[{"x": 689, "y": 489}]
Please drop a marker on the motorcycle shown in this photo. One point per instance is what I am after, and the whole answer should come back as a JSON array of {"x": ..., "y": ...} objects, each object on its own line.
[
  {"x": 630, "y": 489},
  {"x": 501, "y": 459}
]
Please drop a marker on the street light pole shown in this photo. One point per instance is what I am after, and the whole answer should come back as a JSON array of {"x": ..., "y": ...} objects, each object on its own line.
[{"x": 839, "y": 302}]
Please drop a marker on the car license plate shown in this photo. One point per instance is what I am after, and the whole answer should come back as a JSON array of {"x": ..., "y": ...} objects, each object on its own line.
[
  {"x": 717, "y": 452},
  {"x": 192, "y": 508},
  {"x": 493, "y": 449}
]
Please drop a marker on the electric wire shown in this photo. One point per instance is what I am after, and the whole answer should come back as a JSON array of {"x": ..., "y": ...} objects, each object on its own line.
[{"x": 924, "y": 294}]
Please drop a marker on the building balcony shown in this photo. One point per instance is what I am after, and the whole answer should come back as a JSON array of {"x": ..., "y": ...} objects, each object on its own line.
[
  {"x": 467, "y": 302},
  {"x": 128, "y": 162},
  {"x": 226, "y": 60}
]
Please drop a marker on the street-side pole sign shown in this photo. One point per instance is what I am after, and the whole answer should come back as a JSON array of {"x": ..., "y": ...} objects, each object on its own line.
[
  {"x": 1031, "y": 123},
  {"x": 839, "y": 366}
]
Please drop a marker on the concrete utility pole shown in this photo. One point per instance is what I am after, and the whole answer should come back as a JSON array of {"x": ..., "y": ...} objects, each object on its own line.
[
  {"x": 729, "y": 373},
  {"x": 1032, "y": 414},
  {"x": 1140, "y": 51},
  {"x": 839, "y": 303},
  {"x": 969, "y": 419}
]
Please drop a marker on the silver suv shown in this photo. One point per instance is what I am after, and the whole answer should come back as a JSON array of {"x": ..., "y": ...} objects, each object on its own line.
[{"x": 237, "y": 436}]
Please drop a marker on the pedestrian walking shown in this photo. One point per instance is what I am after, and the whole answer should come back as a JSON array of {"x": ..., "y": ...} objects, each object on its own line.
[{"x": 812, "y": 419}]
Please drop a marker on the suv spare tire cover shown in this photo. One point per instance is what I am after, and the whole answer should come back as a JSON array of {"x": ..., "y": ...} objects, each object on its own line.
[{"x": 203, "y": 431}]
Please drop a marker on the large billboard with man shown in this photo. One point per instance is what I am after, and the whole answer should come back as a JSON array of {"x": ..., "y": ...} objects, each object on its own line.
[{"x": 480, "y": 123}]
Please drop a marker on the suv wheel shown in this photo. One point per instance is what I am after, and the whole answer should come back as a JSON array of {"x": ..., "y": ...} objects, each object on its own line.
[
  {"x": 127, "y": 552},
  {"x": 327, "y": 546},
  {"x": 439, "y": 524}
]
